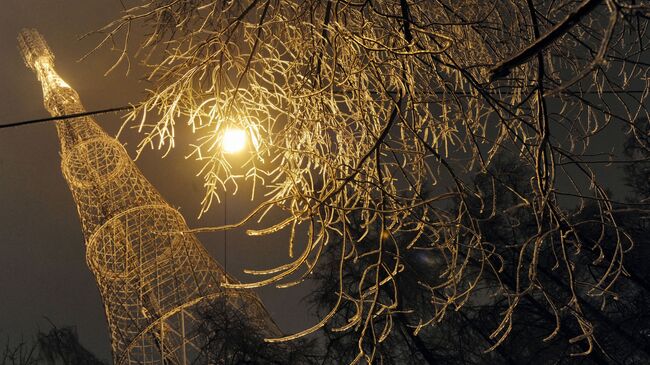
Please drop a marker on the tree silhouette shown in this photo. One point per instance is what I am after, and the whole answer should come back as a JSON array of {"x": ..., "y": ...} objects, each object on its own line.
[
  {"x": 541, "y": 333},
  {"x": 233, "y": 337},
  {"x": 61, "y": 346},
  {"x": 57, "y": 346},
  {"x": 385, "y": 111}
]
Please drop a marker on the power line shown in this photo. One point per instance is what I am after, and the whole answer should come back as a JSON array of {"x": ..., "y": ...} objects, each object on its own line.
[
  {"x": 67, "y": 116},
  {"x": 127, "y": 107}
]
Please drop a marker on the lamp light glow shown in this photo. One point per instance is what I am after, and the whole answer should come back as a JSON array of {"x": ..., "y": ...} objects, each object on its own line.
[{"x": 233, "y": 140}]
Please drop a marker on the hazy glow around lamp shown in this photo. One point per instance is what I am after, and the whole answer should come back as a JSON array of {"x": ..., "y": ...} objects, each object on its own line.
[{"x": 233, "y": 140}]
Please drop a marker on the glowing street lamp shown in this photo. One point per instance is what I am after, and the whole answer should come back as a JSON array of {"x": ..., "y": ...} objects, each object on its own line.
[{"x": 233, "y": 140}]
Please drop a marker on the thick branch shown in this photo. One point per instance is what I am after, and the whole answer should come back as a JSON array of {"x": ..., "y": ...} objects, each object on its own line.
[{"x": 503, "y": 68}]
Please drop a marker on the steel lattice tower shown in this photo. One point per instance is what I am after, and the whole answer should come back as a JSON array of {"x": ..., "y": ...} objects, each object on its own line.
[{"x": 155, "y": 281}]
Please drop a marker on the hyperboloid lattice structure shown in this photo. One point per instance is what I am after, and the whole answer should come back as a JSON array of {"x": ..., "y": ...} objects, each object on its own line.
[{"x": 155, "y": 281}]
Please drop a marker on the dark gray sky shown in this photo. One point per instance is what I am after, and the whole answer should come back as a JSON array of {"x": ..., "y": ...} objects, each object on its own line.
[{"x": 42, "y": 265}]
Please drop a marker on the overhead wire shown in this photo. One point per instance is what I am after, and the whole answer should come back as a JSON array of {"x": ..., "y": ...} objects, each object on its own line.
[{"x": 67, "y": 116}]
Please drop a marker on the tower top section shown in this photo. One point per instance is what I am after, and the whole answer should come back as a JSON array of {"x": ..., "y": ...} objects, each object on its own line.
[
  {"x": 33, "y": 48},
  {"x": 59, "y": 98}
]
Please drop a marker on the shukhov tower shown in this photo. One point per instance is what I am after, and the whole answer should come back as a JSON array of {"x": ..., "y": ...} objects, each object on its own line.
[{"x": 156, "y": 282}]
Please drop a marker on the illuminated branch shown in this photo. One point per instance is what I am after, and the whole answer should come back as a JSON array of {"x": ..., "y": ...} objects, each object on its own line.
[{"x": 382, "y": 113}]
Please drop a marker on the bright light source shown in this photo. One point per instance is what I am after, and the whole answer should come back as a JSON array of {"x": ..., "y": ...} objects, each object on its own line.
[{"x": 234, "y": 140}]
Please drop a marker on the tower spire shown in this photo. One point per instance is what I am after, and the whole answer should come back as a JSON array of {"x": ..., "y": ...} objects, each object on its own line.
[
  {"x": 156, "y": 282},
  {"x": 58, "y": 97}
]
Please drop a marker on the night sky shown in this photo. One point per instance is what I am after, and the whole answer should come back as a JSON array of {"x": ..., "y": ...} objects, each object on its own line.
[{"x": 43, "y": 273}]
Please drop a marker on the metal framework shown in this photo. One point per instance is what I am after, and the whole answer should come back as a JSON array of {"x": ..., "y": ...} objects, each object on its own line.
[{"x": 155, "y": 280}]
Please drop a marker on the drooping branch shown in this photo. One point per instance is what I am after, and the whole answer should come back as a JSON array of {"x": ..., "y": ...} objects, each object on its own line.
[{"x": 369, "y": 124}]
